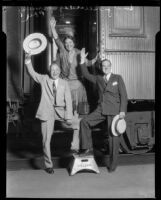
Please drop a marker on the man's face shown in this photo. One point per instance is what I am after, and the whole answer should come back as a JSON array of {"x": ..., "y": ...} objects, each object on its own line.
[
  {"x": 69, "y": 44},
  {"x": 106, "y": 67},
  {"x": 54, "y": 71}
]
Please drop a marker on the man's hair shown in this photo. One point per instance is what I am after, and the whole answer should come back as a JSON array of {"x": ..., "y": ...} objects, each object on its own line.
[
  {"x": 105, "y": 60},
  {"x": 53, "y": 63}
]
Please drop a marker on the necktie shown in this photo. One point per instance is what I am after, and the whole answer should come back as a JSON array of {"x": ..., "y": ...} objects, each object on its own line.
[
  {"x": 105, "y": 78},
  {"x": 54, "y": 91},
  {"x": 54, "y": 88}
]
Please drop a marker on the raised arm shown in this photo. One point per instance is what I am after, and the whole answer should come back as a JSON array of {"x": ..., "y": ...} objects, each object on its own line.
[
  {"x": 68, "y": 101},
  {"x": 85, "y": 73},
  {"x": 94, "y": 60},
  {"x": 36, "y": 76},
  {"x": 55, "y": 34},
  {"x": 64, "y": 60},
  {"x": 91, "y": 62}
]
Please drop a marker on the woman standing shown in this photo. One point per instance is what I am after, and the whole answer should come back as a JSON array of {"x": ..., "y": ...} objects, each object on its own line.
[{"x": 69, "y": 62}]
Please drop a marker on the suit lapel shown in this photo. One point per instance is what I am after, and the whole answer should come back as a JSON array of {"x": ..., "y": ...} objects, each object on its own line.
[
  {"x": 102, "y": 82},
  {"x": 59, "y": 84},
  {"x": 109, "y": 81}
]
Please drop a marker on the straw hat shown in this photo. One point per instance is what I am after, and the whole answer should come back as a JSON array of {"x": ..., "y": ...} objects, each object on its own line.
[
  {"x": 35, "y": 43},
  {"x": 118, "y": 126}
]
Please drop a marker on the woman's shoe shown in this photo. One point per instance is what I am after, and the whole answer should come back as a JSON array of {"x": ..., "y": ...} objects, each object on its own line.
[
  {"x": 74, "y": 151},
  {"x": 86, "y": 152}
]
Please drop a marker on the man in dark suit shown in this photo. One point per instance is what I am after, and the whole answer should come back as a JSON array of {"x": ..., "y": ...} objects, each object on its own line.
[{"x": 112, "y": 101}]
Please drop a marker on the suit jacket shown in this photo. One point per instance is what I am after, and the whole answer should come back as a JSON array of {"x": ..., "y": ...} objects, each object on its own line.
[
  {"x": 47, "y": 106},
  {"x": 112, "y": 96}
]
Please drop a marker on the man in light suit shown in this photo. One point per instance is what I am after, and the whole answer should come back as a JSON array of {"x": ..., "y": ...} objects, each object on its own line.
[
  {"x": 55, "y": 104},
  {"x": 112, "y": 101}
]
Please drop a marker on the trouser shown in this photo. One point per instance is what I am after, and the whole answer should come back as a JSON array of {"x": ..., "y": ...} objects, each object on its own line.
[
  {"x": 76, "y": 127},
  {"x": 47, "y": 129},
  {"x": 75, "y": 140},
  {"x": 86, "y": 138}
]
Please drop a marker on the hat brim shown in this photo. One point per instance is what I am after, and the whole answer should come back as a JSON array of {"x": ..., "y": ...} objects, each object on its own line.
[
  {"x": 34, "y": 43},
  {"x": 113, "y": 126}
]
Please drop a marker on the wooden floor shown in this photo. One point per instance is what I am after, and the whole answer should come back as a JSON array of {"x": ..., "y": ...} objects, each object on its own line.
[
  {"x": 26, "y": 153},
  {"x": 128, "y": 181},
  {"x": 133, "y": 178}
]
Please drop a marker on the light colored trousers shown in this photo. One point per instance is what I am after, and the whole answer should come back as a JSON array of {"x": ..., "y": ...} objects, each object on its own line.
[{"x": 47, "y": 129}]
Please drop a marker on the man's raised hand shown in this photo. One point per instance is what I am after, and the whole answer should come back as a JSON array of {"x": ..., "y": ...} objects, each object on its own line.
[{"x": 83, "y": 55}]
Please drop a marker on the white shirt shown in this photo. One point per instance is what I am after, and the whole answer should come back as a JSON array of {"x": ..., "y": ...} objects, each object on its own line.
[
  {"x": 52, "y": 81},
  {"x": 108, "y": 76},
  {"x": 56, "y": 82}
]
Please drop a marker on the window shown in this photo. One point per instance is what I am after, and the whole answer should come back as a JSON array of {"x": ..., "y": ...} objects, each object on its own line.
[{"x": 127, "y": 21}]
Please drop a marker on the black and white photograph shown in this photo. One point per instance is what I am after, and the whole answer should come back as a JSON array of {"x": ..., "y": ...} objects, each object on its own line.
[{"x": 80, "y": 100}]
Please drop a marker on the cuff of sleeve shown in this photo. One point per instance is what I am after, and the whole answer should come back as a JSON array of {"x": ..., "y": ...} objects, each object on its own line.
[
  {"x": 82, "y": 62},
  {"x": 56, "y": 37},
  {"x": 27, "y": 62}
]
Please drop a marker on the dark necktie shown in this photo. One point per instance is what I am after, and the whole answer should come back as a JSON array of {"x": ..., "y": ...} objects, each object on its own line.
[
  {"x": 54, "y": 88},
  {"x": 54, "y": 91},
  {"x": 106, "y": 81}
]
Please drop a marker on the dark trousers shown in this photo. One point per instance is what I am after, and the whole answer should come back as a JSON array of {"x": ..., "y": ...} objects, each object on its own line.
[{"x": 91, "y": 120}]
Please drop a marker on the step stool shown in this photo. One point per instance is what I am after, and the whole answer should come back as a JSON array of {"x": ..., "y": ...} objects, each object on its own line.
[{"x": 82, "y": 163}]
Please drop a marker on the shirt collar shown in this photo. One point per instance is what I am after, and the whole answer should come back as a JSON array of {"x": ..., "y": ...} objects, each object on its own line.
[
  {"x": 56, "y": 82},
  {"x": 108, "y": 76}
]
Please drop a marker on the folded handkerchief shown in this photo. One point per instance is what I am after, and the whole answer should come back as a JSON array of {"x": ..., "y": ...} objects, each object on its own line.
[{"x": 115, "y": 83}]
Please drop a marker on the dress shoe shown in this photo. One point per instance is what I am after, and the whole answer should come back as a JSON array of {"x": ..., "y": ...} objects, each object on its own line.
[
  {"x": 49, "y": 170},
  {"x": 104, "y": 150},
  {"x": 111, "y": 169},
  {"x": 86, "y": 152}
]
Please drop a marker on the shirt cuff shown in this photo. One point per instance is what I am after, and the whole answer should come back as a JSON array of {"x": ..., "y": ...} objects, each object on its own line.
[
  {"x": 82, "y": 62},
  {"x": 28, "y": 61}
]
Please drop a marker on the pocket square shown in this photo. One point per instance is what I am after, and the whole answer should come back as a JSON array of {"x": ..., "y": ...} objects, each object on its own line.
[{"x": 115, "y": 83}]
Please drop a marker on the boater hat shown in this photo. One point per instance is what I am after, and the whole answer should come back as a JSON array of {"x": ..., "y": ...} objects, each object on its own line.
[
  {"x": 118, "y": 126},
  {"x": 35, "y": 43}
]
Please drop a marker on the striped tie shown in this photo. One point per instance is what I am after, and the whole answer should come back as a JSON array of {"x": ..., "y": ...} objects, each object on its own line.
[
  {"x": 106, "y": 81},
  {"x": 54, "y": 87},
  {"x": 54, "y": 91}
]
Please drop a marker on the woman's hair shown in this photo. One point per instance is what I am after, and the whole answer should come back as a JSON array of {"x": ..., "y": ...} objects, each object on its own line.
[{"x": 69, "y": 37}]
